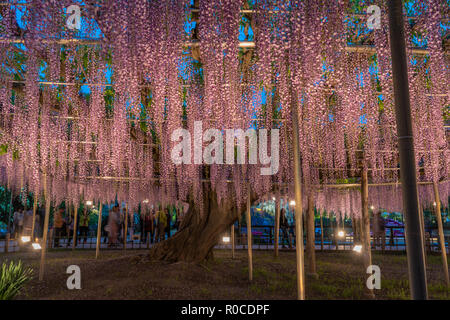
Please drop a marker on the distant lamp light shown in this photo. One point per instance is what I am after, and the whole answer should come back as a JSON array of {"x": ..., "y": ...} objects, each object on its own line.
[
  {"x": 292, "y": 203},
  {"x": 226, "y": 239},
  {"x": 357, "y": 248},
  {"x": 434, "y": 204},
  {"x": 273, "y": 199},
  {"x": 89, "y": 203},
  {"x": 145, "y": 201},
  {"x": 372, "y": 207},
  {"x": 26, "y": 239},
  {"x": 36, "y": 246},
  {"x": 341, "y": 234}
]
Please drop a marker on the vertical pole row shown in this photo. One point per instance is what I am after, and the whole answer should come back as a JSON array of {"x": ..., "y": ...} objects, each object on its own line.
[{"x": 414, "y": 236}]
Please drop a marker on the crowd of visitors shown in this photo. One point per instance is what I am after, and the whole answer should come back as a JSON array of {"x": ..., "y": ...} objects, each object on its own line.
[{"x": 149, "y": 225}]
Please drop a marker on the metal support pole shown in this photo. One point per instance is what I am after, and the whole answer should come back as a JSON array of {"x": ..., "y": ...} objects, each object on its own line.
[
  {"x": 441, "y": 233},
  {"x": 414, "y": 236}
]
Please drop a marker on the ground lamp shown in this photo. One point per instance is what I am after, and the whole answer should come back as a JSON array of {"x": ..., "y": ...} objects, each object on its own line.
[{"x": 357, "y": 248}]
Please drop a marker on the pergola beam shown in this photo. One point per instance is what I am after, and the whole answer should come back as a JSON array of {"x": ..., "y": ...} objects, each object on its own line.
[
  {"x": 58, "y": 83},
  {"x": 369, "y": 49}
]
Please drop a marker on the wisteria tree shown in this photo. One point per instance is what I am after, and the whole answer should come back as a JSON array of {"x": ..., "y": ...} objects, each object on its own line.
[{"x": 93, "y": 111}]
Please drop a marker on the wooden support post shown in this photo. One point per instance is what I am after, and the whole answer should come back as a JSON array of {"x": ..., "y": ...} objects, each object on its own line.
[
  {"x": 232, "y": 241},
  {"x": 297, "y": 191},
  {"x": 311, "y": 237},
  {"x": 441, "y": 232},
  {"x": 249, "y": 236},
  {"x": 422, "y": 227},
  {"x": 33, "y": 222},
  {"x": 277, "y": 222},
  {"x": 75, "y": 220},
  {"x": 365, "y": 239},
  {"x": 45, "y": 231},
  {"x": 321, "y": 231},
  {"x": 125, "y": 228},
  {"x": 99, "y": 230}
]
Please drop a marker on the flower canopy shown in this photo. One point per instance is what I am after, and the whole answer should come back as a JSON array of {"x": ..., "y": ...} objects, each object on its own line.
[{"x": 93, "y": 110}]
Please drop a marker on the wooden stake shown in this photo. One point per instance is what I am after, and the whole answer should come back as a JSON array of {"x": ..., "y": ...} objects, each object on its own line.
[
  {"x": 99, "y": 230},
  {"x": 441, "y": 232},
  {"x": 277, "y": 223},
  {"x": 45, "y": 231},
  {"x": 75, "y": 220},
  {"x": 249, "y": 237},
  {"x": 310, "y": 237}
]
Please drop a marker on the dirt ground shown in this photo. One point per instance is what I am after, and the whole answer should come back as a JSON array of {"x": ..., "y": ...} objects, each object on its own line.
[{"x": 130, "y": 275}]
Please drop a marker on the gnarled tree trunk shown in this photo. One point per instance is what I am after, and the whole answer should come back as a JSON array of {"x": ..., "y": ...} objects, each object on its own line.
[{"x": 199, "y": 232}]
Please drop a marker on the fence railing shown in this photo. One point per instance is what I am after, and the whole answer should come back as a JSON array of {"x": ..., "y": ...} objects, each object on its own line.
[{"x": 263, "y": 237}]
